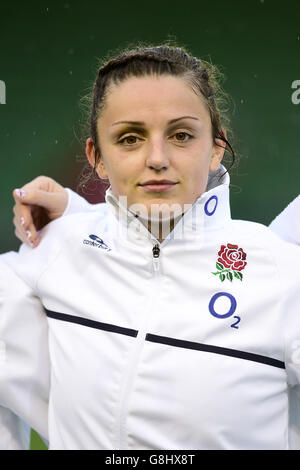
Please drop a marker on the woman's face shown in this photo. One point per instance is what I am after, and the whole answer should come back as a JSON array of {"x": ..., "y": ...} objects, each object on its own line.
[{"x": 151, "y": 146}]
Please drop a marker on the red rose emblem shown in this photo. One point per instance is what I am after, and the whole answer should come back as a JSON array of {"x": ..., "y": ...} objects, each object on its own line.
[{"x": 233, "y": 257}]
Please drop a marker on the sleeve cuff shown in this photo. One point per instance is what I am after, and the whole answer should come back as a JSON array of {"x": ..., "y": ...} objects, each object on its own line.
[{"x": 75, "y": 203}]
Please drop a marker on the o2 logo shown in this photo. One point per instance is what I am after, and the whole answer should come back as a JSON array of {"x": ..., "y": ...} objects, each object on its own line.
[{"x": 229, "y": 313}]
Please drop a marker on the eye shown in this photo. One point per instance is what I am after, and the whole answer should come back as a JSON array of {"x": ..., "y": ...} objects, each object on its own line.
[
  {"x": 184, "y": 134},
  {"x": 128, "y": 137}
]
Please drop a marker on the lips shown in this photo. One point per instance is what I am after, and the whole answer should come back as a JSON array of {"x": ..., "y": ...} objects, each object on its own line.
[
  {"x": 158, "y": 182},
  {"x": 155, "y": 186}
]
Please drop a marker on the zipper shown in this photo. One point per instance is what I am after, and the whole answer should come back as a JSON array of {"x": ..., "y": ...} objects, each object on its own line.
[
  {"x": 130, "y": 379},
  {"x": 155, "y": 257}
]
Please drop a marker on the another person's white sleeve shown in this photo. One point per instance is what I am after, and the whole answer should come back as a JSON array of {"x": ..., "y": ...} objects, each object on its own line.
[
  {"x": 24, "y": 359},
  {"x": 14, "y": 432},
  {"x": 287, "y": 223},
  {"x": 77, "y": 203},
  {"x": 287, "y": 226}
]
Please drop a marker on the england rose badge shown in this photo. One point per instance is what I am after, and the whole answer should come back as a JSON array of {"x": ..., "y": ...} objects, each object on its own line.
[{"x": 231, "y": 261}]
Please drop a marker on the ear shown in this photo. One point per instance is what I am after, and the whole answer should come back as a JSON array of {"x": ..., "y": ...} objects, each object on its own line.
[
  {"x": 218, "y": 152},
  {"x": 90, "y": 153}
]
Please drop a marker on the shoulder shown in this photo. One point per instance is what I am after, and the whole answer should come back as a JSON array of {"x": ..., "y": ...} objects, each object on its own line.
[
  {"x": 281, "y": 261},
  {"x": 11, "y": 285},
  {"x": 57, "y": 231},
  {"x": 54, "y": 234},
  {"x": 283, "y": 253},
  {"x": 251, "y": 229},
  {"x": 28, "y": 263},
  {"x": 77, "y": 203},
  {"x": 287, "y": 223}
]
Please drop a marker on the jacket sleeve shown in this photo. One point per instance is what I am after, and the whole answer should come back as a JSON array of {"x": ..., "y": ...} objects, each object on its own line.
[
  {"x": 287, "y": 223},
  {"x": 14, "y": 432},
  {"x": 287, "y": 226},
  {"x": 77, "y": 203},
  {"x": 294, "y": 417},
  {"x": 24, "y": 358},
  {"x": 292, "y": 353},
  {"x": 24, "y": 351},
  {"x": 288, "y": 257}
]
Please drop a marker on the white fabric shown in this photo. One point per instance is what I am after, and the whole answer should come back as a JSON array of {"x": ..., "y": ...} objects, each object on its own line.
[
  {"x": 287, "y": 226},
  {"x": 14, "y": 433},
  {"x": 287, "y": 223},
  {"x": 130, "y": 376},
  {"x": 24, "y": 359}
]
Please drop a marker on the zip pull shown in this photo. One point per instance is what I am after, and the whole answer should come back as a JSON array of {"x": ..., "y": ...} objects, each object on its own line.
[{"x": 156, "y": 252}]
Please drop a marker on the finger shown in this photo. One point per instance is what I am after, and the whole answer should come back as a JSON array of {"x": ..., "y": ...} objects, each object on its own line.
[
  {"x": 26, "y": 232},
  {"x": 35, "y": 197},
  {"x": 23, "y": 216},
  {"x": 54, "y": 202},
  {"x": 23, "y": 221},
  {"x": 31, "y": 235},
  {"x": 20, "y": 209},
  {"x": 18, "y": 225},
  {"x": 19, "y": 222},
  {"x": 20, "y": 235},
  {"x": 18, "y": 194}
]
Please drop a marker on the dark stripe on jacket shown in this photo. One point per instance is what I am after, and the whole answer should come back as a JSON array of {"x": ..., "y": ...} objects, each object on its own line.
[{"x": 166, "y": 340}]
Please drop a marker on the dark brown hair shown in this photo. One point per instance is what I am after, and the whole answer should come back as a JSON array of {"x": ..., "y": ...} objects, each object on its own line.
[{"x": 165, "y": 59}]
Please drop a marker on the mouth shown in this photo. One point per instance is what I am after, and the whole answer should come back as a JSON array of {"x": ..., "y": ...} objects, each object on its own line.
[{"x": 157, "y": 187}]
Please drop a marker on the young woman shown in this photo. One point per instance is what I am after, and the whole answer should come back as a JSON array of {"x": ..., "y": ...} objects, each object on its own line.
[{"x": 170, "y": 325}]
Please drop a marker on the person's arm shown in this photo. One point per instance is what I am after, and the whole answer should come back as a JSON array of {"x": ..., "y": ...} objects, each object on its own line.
[
  {"x": 77, "y": 203},
  {"x": 24, "y": 359},
  {"x": 14, "y": 432},
  {"x": 287, "y": 224},
  {"x": 40, "y": 201},
  {"x": 288, "y": 258}
]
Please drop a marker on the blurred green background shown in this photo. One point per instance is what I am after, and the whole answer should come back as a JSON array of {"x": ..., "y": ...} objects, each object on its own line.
[{"x": 48, "y": 56}]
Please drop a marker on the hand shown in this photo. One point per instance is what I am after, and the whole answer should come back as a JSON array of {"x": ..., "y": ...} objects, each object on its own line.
[{"x": 36, "y": 204}]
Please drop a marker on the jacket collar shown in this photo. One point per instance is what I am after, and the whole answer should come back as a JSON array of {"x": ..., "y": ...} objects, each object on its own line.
[{"x": 210, "y": 211}]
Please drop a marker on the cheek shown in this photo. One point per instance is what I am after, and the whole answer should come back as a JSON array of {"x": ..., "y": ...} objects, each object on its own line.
[
  {"x": 198, "y": 176},
  {"x": 122, "y": 177},
  {"x": 199, "y": 171}
]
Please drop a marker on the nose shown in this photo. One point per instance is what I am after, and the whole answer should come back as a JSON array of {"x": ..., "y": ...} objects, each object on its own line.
[{"x": 157, "y": 157}]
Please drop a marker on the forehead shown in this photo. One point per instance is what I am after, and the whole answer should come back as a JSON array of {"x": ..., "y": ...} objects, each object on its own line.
[{"x": 151, "y": 98}]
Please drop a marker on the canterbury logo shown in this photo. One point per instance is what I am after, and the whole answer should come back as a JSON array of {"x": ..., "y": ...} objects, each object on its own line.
[{"x": 97, "y": 242}]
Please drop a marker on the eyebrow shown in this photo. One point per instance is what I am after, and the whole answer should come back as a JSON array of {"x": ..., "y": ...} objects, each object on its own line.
[{"x": 140, "y": 123}]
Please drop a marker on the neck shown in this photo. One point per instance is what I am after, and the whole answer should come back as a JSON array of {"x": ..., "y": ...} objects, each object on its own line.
[
  {"x": 161, "y": 230},
  {"x": 212, "y": 210}
]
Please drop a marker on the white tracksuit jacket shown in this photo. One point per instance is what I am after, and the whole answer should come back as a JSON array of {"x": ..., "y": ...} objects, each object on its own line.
[{"x": 193, "y": 343}]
